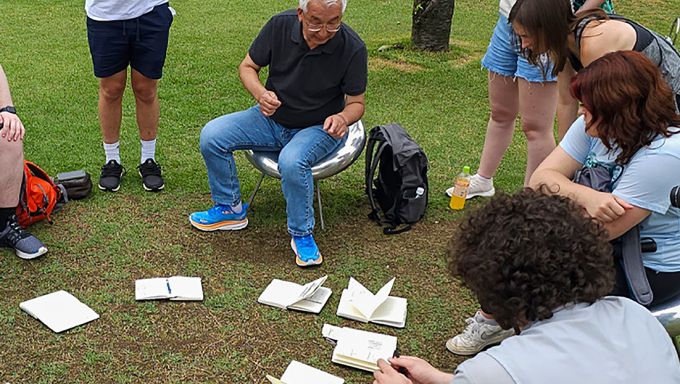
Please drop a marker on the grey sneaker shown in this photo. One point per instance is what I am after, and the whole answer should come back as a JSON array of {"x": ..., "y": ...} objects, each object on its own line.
[
  {"x": 24, "y": 244},
  {"x": 477, "y": 335},
  {"x": 479, "y": 186}
]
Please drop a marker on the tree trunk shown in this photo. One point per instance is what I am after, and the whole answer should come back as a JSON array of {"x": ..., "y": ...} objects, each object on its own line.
[{"x": 432, "y": 24}]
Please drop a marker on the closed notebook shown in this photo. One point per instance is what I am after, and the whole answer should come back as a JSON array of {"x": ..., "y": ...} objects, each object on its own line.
[
  {"x": 176, "y": 288},
  {"x": 310, "y": 297},
  {"x": 298, "y": 373},
  {"x": 59, "y": 311},
  {"x": 360, "y": 349},
  {"x": 358, "y": 303}
]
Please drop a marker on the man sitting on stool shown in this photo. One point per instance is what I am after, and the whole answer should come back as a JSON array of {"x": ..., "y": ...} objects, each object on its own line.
[{"x": 315, "y": 89}]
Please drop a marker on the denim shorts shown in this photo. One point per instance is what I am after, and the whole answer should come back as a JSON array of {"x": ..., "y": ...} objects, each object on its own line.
[
  {"x": 140, "y": 43},
  {"x": 503, "y": 56}
]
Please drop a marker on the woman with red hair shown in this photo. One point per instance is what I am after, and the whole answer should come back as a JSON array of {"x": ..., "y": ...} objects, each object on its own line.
[{"x": 630, "y": 127}]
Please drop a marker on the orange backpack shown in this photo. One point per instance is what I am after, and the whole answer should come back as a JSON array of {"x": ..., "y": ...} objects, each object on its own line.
[{"x": 39, "y": 196}]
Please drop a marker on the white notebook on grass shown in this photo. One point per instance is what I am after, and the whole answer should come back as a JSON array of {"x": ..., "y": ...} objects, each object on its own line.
[
  {"x": 176, "y": 288},
  {"x": 310, "y": 297},
  {"x": 360, "y": 349},
  {"x": 59, "y": 311},
  {"x": 358, "y": 303},
  {"x": 298, "y": 373}
]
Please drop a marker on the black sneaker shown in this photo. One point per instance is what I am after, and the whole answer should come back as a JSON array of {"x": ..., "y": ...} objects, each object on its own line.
[
  {"x": 151, "y": 175},
  {"x": 24, "y": 244},
  {"x": 112, "y": 172}
]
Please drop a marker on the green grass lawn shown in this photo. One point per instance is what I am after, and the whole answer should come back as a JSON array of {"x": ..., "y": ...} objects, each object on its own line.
[{"x": 99, "y": 246}]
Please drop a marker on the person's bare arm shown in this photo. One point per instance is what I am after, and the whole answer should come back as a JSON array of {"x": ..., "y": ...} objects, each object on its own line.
[
  {"x": 336, "y": 125},
  {"x": 249, "y": 72},
  {"x": 554, "y": 176},
  {"x": 11, "y": 126},
  {"x": 567, "y": 106}
]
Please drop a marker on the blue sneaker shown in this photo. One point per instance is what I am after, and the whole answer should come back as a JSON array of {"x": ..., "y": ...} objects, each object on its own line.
[
  {"x": 306, "y": 251},
  {"x": 220, "y": 217}
]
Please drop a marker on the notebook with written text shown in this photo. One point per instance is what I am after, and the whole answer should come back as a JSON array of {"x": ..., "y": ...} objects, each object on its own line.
[{"x": 360, "y": 349}]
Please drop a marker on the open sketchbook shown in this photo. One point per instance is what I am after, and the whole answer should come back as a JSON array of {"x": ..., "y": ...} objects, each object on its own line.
[
  {"x": 176, "y": 288},
  {"x": 298, "y": 373},
  {"x": 360, "y": 349},
  {"x": 59, "y": 311},
  {"x": 310, "y": 297},
  {"x": 358, "y": 303}
]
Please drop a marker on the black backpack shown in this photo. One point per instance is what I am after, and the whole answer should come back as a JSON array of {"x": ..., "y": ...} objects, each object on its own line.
[{"x": 399, "y": 190}]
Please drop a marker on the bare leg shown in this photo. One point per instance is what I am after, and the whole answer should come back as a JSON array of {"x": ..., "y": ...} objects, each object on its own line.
[
  {"x": 148, "y": 110},
  {"x": 110, "y": 105},
  {"x": 12, "y": 165},
  {"x": 503, "y": 99},
  {"x": 537, "y": 104}
]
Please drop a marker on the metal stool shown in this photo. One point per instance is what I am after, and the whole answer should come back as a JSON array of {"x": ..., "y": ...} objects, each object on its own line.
[
  {"x": 668, "y": 315},
  {"x": 334, "y": 163}
]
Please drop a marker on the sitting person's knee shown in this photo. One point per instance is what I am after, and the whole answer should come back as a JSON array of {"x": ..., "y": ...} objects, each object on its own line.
[{"x": 11, "y": 152}]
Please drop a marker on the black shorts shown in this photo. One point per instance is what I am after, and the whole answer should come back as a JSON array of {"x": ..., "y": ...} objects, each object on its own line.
[{"x": 140, "y": 43}]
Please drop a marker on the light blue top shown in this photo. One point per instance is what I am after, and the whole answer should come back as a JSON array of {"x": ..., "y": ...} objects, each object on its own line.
[
  {"x": 645, "y": 182},
  {"x": 612, "y": 341}
]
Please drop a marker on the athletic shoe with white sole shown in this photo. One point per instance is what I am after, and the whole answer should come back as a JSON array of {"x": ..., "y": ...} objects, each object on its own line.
[
  {"x": 220, "y": 217},
  {"x": 25, "y": 245},
  {"x": 109, "y": 180},
  {"x": 150, "y": 171},
  {"x": 477, "y": 335},
  {"x": 306, "y": 252},
  {"x": 479, "y": 186}
]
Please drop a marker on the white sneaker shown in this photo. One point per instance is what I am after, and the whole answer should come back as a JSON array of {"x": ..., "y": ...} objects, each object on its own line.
[
  {"x": 479, "y": 186},
  {"x": 477, "y": 336}
]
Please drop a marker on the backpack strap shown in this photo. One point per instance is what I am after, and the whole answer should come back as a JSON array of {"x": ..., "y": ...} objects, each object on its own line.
[
  {"x": 374, "y": 215},
  {"x": 631, "y": 257},
  {"x": 395, "y": 230}
]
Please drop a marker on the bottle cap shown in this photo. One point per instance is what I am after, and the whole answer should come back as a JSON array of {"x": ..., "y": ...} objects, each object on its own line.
[{"x": 466, "y": 169}]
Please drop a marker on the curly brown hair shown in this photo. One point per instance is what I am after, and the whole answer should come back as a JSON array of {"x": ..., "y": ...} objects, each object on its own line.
[
  {"x": 630, "y": 101},
  {"x": 524, "y": 255}
]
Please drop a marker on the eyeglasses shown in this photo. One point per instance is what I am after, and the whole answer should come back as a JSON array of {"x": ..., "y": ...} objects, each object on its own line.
[{"x": 330, "y": 28}]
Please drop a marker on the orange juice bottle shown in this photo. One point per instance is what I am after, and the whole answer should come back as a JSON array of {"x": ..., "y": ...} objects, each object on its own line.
[{"x": 460, "y": 189}]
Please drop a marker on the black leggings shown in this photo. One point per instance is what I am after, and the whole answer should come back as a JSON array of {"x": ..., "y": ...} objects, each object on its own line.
[{"x": 665, "y": 285}]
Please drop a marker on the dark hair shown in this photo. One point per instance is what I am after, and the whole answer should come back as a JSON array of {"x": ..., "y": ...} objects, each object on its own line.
[
  {"x": 548, "y": 22},
  {"x": 524, "y": 255},
  {"x": 629, "y": 100}
]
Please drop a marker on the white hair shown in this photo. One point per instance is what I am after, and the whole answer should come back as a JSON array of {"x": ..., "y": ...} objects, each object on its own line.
[{"x": 343, "y": 4}]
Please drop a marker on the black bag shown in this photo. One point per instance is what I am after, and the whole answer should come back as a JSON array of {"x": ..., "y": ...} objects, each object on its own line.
[
  {"x": 399, "y": 190},
  {"x": 77, "y": 184}
]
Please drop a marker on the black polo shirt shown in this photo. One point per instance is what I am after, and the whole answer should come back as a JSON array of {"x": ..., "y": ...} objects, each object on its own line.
[{"x": 311, "y": 84}]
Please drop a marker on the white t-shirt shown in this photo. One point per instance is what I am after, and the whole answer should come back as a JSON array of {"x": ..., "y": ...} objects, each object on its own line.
[
  {"x": 505, "y": 6},
  {"x": 113, "y": 10}
]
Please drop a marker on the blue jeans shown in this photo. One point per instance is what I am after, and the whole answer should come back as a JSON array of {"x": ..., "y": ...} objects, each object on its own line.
[{"x": 299, "y": 150}]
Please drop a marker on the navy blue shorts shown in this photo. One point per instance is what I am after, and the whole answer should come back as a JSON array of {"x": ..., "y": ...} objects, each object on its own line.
[{"x": 140, "y": 43}]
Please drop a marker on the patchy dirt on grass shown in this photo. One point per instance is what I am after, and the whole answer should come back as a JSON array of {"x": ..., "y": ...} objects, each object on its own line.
[{"x": 229, "y": 337}]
